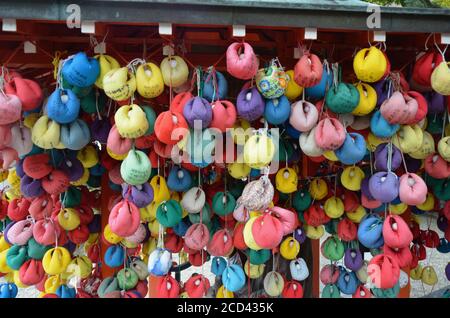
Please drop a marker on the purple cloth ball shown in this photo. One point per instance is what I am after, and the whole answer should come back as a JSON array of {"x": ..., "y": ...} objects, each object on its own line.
[{"x": 250, "y": 104}]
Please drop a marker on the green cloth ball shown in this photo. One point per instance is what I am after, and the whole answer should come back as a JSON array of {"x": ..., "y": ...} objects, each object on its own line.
[
  {"x": 80, "y": 92},
  {"x": 236, "y": 188},
  {"x": 108, "y": 285},
  {"x": 127, "y": 279},
  {"x": 223, "y": 203},
  {"x": 331, "y": 226},
  {"x": 259, "y": 257},
  {"x": 442, "y": 190},
  {"x": 36, "y": 250},
  {"x": 94, "y": 181},
  {"x": 151, "y": 118},
  {"x": 301, "y": 200},
  {"x": 386, "y": 293},
  {"x": 430, "y": 181},
  {"x": 91, "y": 101},
  {"x": 342, "y": 98},
  {"x": 169, "y": 213},
  {"x": 375, "y": 251},
  {"x": 16, "y": 256},
  {"x": 206, "y": 215},
  {"x": 434, "y": 124},
  {"x": 333, "y": 249},
  {"x": 301, "y": 216},
  {"x": 4, "y": 223},
  {"x": 71, "y": 198},
  {"x": 331, "y": 291},
  {"x": 280, "y": 154},
  {"x": 34, "y": 151},
  {"x": 135, "y": 168}
]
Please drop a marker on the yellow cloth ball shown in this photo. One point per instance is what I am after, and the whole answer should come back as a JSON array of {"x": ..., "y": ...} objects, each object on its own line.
[
  {"x": 68, "y": 219},
  {"x": 286, "y": 180},
  {"x": 241, "y": 131},
  {"x": 248, "y": 236},
  {"x": 289, "y": 248},
  {"x": 131, "y": 121},
  {"x": 52, "y": 283},
  {"x": 352, "y": 177},
  {"x": 45, "y": 133},
  {"x": 175, "y": 71},
  {"x": 370, "y": 64},
  {"x": 119, "y": 84},
  {"x": 314, "y": 232},
  {"x": 357, "y": 215},
  {"x": 149, "y": 80},
  {"x": 318, "y": 189},
  {"x": 334, "y": 207},
  {"x": 428, "y": 205},
  {"x": 56, "y": 260},
  {"x": 111, "y": 237},
  {"x": 293, "y": 90},
  {"x": 160, "y": 190},
  {"x": 254, "y": 271},
  {"x": 367, "y": 99},
  {"x": 88, "y": 156},
  {"x": 259, "y": 151},
  {"x": 223, "y": 293},
  {"x": 107, "y": 63}
]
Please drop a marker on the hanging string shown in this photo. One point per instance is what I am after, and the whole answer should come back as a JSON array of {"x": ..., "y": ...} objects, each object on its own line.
[
  {"x": 93, "y": 40},
  {"x": 2, "y": 79},
  {"x": 199, "y": 81},
  {"x": 157, "y": 156},
  {"x": 385, "y": 210},
  {"x": 335, "y": 68},
  {"x": 389, "y": 159},
  {"x": 161, "y": 233},
  {"x": 442, "y": 51},
  {"x": 134, "y": 64},
  {"x": 443, "y": 125},
  {"x": 403, "y": 157},
  {"x": 212, "y": 76},
  {"x": 96, "y": 104},
  {"x": 42, "y": 50},
  {"x": 124, "y": 60},
  {"x": 219, "y": 60},
  {"x": 426, "y": 41},
  {"x": 171, "y": 74},
  {"x": 13, "y": 54},
  {"x": 155, "y": 52},
  {"x": 273, "y": 261},
  {"x": 109, "y": 107},
  {"x": 335, "y": 184},
  {"x": 59, "y": 79}
]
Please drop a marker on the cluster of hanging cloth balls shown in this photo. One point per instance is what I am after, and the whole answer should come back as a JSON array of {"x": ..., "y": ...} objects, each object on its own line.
[{"x": 387, "y": 134}]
